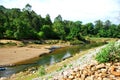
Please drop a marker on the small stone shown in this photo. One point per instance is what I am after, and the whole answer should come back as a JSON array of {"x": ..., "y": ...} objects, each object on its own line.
[
  {"x": 106, "y": 79},
  {"x": 3, "y": 78},
  {"x": 89, "y": 78},
  {"x": 112, "y": 76},
  {"x": 103, "y": 70},
  {"x": 100, "y": 66},
  {"x": 83, "y": 77},
  {"x": 65, "y": 73},
  {"x": 99, "y": 78},
  {"x": 85, "y": 72},
  {"x": 93, "y": 68},
  {"x": 78, "y": 75},
  {"x": 73, "y": 73},
  {"x": 108, "y": 64},
  {"x": 71, "y": 77}
]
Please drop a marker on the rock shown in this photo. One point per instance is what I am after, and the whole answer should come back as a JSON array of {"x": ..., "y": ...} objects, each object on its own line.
[
  {"x": 93, "y": 68},
  {"x": 99, "y": 78},
  {"x": 106, "y": 79},
  {"x": 85, "y": 72},
  {"x": 100, "y": 66},
  {"x": 13, "y": 76},
  {"x": 111, "y": 76},
  {"x": 83, "y": 77},
  {"x": 108, "y": 65},
  {"x": 104, "y": 74},
  {"x": 89, "y": 78},
  {"x": 107, "y": 71},
  {"x": 78, "y": 75},
  {"x": 71, "y": 77},
  {"x": 3, "y": 78},
  {"x": 103, "y": 70},
  {"x": 114, "y": 72},
  {"x": 117, "y": 64},
  {"x": 73, "y": 73},
  {"x": 65, "y": 73}
]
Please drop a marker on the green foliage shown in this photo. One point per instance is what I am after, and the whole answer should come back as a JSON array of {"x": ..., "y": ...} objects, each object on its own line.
[
  {"x": 11, "y": 43},
  {"x": 59, "y": 29},
  {"x": 76, "y": 42},
  {"x": 9, "y": 33},
  {"x": 26, "y": 24},
  {"x": 41, "y": 35},
  {"x": 110, "y": 53},
  {"x": 21, "y": 45},
  {"x": 42, "y": 71}
]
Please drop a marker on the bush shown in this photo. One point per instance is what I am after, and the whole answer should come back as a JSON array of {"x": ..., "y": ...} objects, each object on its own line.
[
  {"x": 76, "y": 42},
  {"x": 42, "y": 71},
  {"x": 111, "y": 53},
  {"x": 21, "y": 45},
  {"x": 11, "y": 43}
]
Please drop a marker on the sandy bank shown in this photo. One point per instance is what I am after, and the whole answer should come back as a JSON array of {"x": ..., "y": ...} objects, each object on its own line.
[{"x": 17, "y": 55}]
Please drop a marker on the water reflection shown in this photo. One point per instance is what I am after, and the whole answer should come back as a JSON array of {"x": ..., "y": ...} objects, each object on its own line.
[
  {"x": 52, "y": 60},
  {"x": 67, "y": 55},
  {"x": 48, "y": 59}
]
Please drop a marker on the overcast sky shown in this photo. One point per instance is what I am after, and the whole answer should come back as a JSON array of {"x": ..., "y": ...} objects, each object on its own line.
[{"x": 82, "y": 10}]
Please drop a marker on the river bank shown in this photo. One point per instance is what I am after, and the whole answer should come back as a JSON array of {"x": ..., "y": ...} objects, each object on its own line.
[
  {"x": 50, "y": 67},
  {"x": 87, "y": 68},
  {"x": 21, "y": 55},
  {"x": 68, "y": 65}
]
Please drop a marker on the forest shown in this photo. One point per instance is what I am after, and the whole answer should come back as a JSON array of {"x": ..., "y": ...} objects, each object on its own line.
[{"x": 26, "y": 24}]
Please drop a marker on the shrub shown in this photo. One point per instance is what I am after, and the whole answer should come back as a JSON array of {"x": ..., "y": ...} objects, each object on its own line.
[
  {"x": 111, "y": 53},
  {"x": 42, "y": 71},
  {"x": 76, "y": 42},
  {"x": 21, "y": 45},
  {"x": 11, "y": 43}
]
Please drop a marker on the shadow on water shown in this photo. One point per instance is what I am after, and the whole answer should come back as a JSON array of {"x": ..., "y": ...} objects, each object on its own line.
[{"x": 48, "y": 59}]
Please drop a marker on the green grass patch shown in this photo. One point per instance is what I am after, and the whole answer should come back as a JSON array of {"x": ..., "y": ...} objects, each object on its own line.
[
  {"x": 111, "y": 53},
  {"x": 42, "y": 71}
]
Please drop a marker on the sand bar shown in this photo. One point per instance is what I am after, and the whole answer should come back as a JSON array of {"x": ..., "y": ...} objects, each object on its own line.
[{"x": 15, "y": 55}]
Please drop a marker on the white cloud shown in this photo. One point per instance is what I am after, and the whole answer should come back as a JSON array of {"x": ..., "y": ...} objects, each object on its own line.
[{"x": 84, "y": 10}]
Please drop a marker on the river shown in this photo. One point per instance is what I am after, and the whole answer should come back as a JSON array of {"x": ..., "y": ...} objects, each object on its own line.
[{"x": 48, "y": 59}]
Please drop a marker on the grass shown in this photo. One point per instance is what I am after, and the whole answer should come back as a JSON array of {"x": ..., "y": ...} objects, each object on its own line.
[
  {"x": 111, "y": 53},
  {"x": 94, "y": 39},
  {"x": 42, "y": 71}
]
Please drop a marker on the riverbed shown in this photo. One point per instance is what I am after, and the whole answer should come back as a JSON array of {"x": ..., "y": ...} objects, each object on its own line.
[{"x": 48, "y": 59}]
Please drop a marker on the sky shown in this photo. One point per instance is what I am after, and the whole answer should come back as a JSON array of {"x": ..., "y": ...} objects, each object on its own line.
[{"x": 74, "y": 10}]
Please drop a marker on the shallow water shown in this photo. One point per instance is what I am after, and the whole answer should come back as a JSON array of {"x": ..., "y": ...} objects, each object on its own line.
[{"x": 47, "y": 59}]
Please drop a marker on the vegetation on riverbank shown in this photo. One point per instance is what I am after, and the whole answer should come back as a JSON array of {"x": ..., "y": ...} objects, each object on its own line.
[
  {"x": 30, "y": 28},
  {"x": 111, "y": 53},
  {"x": 25, "y": 24},
  {"x": 54, "y": 67}
]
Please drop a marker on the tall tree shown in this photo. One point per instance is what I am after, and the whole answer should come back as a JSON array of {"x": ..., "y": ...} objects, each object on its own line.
[
  {"x": 48, "y": 20},
  {"x": 59, "y": 28},
  {"x": 75, "y": 31},
  {"x": 98, "y": 26}
]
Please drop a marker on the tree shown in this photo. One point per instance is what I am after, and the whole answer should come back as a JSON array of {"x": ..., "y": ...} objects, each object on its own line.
[
  {"x": 47, "y": 30},
  {"x": 28, "y": 7},
  {"x": 75, "y": 31},
  {"x": 48, "y": 20},
  {"x": 107, "y": 24},
  {"x": 58, "y": 19},
  {"x": 2, "y": 22},
  {"x": 98, "y": 26},
  {"x": 26, "y": 24},
  {"x": 59, "y": 29}
]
